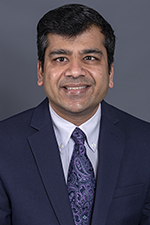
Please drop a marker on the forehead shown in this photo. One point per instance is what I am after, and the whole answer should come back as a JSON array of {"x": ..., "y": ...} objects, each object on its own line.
[{"x": 91, "y": 37}]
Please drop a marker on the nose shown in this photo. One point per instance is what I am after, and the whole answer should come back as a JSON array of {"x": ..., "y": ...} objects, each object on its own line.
[{"x": 75, "y": 69}]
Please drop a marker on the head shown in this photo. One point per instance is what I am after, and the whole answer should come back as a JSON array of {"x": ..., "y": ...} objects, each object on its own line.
[
  {"x": 69, "y": 21},
  {"x": 75, "y": 66}
]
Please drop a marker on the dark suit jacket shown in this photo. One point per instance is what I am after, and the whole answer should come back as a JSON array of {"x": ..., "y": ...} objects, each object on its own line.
[{"x": 32, "y": 185}]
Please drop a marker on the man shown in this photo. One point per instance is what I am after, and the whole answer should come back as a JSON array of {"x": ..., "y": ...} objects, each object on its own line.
[{"x": 74, "y": 159}]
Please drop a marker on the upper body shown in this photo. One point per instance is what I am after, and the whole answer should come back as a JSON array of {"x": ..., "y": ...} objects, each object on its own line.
[
  {"x": 33, "y": 187},
  {"x": 75, "y": 67}
]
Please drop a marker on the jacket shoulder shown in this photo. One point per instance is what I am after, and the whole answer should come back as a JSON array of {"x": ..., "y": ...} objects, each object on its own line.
[
  {"x": 14, "y": 123},
  {"x": 24, "y": 118},
  {"x": 125, "y": 121}
]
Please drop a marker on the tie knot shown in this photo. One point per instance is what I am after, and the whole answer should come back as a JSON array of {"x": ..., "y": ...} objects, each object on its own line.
[{"x": 78, "y": 136}]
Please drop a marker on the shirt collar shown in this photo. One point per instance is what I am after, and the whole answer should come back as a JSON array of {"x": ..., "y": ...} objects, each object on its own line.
[
  {"x": 63, "y": 129},
  {"x": 91, "y": 128}
]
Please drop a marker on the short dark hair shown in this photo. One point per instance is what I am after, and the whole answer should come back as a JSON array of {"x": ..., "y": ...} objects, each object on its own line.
[{"x": 71, "y": 20}]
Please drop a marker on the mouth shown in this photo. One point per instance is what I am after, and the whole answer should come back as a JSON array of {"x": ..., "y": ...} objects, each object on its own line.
[{"x": 75, "y": 88}]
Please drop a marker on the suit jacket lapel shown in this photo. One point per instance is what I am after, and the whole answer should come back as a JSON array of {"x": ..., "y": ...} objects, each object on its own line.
[
  {"x": 111, "y": 146},
  {"x": 46, "y": 153}
]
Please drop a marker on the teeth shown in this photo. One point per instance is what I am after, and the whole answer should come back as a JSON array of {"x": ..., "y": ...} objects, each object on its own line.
[{"x": 75, "y": 88}]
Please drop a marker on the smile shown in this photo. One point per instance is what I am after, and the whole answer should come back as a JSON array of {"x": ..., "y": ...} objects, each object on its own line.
[{"x": 75, "y": 88}]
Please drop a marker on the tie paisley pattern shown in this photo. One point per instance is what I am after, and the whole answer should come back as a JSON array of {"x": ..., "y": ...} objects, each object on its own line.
[{"x": 81, "y": 181}]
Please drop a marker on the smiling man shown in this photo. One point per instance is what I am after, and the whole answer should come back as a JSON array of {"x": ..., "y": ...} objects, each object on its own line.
[{"x": 74, "y": 159}]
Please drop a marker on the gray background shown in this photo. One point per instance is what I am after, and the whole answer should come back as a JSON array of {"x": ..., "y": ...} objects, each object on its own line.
[{"x": 131, "y": 22}]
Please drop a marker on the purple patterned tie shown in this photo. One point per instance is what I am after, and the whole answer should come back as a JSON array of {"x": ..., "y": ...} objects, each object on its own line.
[{"x": 81, "y": 181}]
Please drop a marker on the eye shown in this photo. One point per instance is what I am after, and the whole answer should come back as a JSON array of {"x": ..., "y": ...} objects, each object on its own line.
[
  {"x": 60, "y": 59},
  {"x": 91, "y": 58}
]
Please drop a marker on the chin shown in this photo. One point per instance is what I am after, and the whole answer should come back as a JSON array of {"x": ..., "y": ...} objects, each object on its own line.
[{"x": 76, "y": 108}]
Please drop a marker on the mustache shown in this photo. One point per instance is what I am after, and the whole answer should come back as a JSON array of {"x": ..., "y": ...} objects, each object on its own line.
[{"x": 76, "y": 80}]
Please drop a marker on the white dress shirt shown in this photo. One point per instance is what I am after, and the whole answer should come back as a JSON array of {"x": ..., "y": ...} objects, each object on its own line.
[{"x": 63, "y": 130}]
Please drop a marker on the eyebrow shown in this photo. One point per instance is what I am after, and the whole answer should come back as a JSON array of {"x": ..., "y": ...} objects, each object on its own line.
[
  {"x": 67, "y": 52},
  {"x": 59, "y": 52},
  {"x": 92, "y": 51}
]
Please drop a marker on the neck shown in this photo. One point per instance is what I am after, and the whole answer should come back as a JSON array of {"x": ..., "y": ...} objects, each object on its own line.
[{"x": 76, "y": 118}]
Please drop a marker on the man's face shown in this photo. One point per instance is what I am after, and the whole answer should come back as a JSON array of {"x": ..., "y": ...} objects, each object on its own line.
[{"x": 75, "y": 74}]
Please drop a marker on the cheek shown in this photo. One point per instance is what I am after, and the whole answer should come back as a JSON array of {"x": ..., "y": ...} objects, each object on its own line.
[
  {"x": 50, "y": 75},
  {"x": 101, "y": 77},
  {"x": 51, "y": 80}
]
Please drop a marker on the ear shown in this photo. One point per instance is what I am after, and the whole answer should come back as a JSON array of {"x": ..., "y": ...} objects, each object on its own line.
[
  {"x": 40, "y": 74},
  {"x": 111, "y": 75}
]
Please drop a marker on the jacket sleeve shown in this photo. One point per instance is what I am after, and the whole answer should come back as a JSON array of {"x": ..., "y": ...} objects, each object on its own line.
[
  {"x": 145, "y": 219},
  {"x": 5, "y": 209}
]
